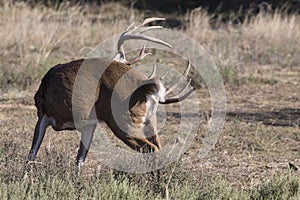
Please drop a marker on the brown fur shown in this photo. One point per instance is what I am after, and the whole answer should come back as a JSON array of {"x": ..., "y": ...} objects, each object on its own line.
[{"x": 54, "y": 97}]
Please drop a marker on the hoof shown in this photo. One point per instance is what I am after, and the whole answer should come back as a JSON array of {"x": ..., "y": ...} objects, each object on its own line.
[{"x": 79, "y": 166}]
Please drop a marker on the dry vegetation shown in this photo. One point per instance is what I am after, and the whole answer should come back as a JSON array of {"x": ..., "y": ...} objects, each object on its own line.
[{"x": 258, "y": 58}]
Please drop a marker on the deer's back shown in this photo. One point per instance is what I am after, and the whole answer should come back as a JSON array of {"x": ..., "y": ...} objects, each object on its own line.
[{"x": 55, "y": 94}]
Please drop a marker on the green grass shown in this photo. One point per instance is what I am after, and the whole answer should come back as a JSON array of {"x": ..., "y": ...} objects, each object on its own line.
[
  {"x": 184, "y": 185},
  {"x": 282, "y": 187}
]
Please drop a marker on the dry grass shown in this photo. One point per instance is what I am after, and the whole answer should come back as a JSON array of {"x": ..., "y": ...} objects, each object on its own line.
[
  {"x": 33, "y": 39},
  {"x": 259, "y": 41},
  {"x": 260, "y": 65}
]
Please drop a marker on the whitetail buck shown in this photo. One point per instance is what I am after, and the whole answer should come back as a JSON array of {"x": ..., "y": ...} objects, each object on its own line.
[{"x": 54, "y": 98}]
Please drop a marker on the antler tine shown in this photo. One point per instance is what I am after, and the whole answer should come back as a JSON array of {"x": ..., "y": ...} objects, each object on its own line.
[
  {"x": 177, "y": 83},
  {"x": 164, "y": 76},
  {"x": 153, "y": 72},
  {"x": 144, "y": 29},
  {"x": 143, "y": 37},
  {"x": 135, "y": 32},
  {"x": 185, "y": 87},
  {"x": 175, "y": 100},
  {"x": 141, "y": 55},
  {"x": 146, "y": 21},
  {"x": 130, "y": 27},
  {"x": 151, "y": 19}
]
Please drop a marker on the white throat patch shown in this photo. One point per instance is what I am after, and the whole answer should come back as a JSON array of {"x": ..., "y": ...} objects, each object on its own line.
[{"x": 161, "y": 93}]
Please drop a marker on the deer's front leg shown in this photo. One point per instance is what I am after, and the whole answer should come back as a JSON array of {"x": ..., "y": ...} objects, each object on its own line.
[
  {"x": 87, "y": 134},
  {"x": 39, "y": 132}
]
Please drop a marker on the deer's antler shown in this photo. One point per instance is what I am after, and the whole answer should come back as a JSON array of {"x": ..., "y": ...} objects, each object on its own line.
[
  {"x": 182, "y": 94},
  {"x": 135, "y": 32}
]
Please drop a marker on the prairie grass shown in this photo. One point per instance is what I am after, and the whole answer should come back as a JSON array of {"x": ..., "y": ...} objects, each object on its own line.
[
  {"x": 34, "y": 39},
  {"x": 267, "y": 39}
]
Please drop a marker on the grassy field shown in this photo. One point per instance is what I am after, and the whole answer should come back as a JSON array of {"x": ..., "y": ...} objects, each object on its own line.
[{"x": 256, "y": 157}]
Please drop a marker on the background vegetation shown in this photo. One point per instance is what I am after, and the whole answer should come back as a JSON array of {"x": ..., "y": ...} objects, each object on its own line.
[{"x": 257, "y": 156}]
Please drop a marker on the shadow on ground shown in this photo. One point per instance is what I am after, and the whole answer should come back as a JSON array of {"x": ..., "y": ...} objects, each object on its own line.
[{"x": 282, "y": 117}]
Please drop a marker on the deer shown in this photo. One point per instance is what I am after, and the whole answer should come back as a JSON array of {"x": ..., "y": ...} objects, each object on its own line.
[{"x": 55, "y": 96}]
